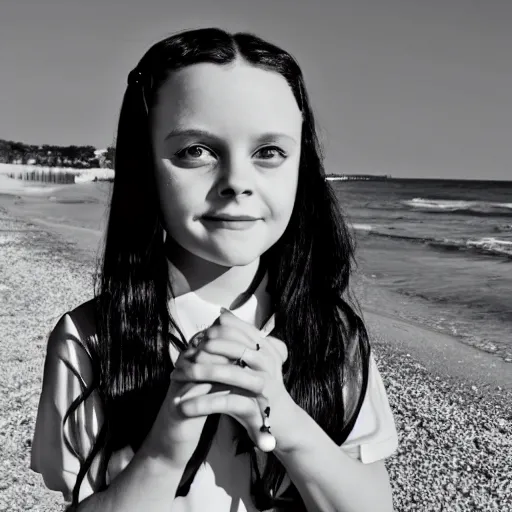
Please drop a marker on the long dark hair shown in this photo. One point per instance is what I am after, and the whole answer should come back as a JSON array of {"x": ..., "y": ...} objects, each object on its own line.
[{"x": 309, "y": 270}]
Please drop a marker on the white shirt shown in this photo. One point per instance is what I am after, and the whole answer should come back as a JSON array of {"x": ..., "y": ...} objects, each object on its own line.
[{"x": 222, "y": 482}]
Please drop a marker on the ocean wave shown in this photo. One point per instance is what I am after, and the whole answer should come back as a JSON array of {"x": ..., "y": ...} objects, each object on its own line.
[
  {"x": 362, "y": 227},
  {"x": 492, "y": 244},
  {"x": 506, "y": 228},
  {"x": 481, "y": 208},
  {"x": 489, "y": 246}
]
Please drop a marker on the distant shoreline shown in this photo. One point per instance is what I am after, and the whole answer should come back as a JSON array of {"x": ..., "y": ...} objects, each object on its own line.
[
  {"x": 357, "y": 177},
  {"x": 107, "y": 174},
  {"x": 371, "y": 177}
]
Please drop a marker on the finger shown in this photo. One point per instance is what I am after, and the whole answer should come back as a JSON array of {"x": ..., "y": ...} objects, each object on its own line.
[
  {"x": 196, "y": 355},
  {"x": 230, "y": 375},
  {"x": 234, "y": 351},
  {"x": 236, "y": 340},
  {"x": 191, "y": 390},
  {"x": 277, "y": 346},
  {"x": 230, "y": 332},
  {"x": 238, "y": 407},
  {"x": 228, "y": 318}
]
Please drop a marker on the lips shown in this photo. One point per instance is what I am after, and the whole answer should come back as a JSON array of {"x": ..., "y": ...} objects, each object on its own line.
[
  {"x": 232, "y": 218},
  {"x": 223, "y": 221}
]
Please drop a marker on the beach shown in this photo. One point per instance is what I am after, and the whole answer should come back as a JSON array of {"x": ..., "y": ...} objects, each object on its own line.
[{"x": 452, "y": 403}]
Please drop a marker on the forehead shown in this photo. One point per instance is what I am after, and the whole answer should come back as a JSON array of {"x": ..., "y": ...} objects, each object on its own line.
[{"x": 233, "y": 97}]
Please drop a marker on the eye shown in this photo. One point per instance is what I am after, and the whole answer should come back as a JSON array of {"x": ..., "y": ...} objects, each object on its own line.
[
  {"x": 271, "y": 152},
  {"x": 194, "y": 152}
]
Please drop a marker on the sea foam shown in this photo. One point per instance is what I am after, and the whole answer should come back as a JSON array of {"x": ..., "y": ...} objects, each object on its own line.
[{"x": 459, "y": 206}]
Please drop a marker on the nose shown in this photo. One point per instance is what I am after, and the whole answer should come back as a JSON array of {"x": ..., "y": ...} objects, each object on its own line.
[{"x": 235, "y": 179}]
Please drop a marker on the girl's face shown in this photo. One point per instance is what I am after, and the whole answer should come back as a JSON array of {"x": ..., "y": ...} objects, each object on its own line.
[{"x": 227, "y": 143}]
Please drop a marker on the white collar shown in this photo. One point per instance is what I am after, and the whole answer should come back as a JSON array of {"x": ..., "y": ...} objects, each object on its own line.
[{"x": 193, "y": 313}]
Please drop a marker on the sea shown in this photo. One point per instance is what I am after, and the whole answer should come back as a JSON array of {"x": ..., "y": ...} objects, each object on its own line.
[{"x": 437, "y": 252}]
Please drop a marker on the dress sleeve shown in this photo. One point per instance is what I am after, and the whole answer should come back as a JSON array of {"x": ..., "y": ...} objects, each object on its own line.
[
  {"x": 374, "y": 435},
  {"x": 67, "y": 371}
]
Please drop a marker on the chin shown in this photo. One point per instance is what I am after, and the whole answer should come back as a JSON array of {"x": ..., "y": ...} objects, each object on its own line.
[
  {"x": 238, "y": 260},
  {"x": 234, "y": 258}
]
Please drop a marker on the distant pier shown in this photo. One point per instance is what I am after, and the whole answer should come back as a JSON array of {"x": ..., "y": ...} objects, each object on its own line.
[
  {"x": 357, "y": 177},
  {"x": 43, "y": 175}
]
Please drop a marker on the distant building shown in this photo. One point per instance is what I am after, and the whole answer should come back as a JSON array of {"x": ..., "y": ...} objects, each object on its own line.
[{"x": 101, "y": 155}]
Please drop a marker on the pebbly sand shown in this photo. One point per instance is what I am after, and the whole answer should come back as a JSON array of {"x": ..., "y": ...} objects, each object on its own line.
[{"x": 452, "y": 404}]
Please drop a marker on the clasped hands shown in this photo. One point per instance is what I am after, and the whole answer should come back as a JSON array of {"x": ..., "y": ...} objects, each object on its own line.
[{"x": 243, "y": 392}]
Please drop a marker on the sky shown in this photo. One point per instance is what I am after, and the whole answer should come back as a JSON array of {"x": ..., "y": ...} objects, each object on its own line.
[{"x": 410, "y": 88}]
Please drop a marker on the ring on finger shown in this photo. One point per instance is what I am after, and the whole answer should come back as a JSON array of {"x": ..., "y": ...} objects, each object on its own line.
[{"x": 240, "y": 361}]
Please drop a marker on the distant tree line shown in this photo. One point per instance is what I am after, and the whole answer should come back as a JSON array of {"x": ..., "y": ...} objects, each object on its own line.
[{"x": 80, "y": 157}]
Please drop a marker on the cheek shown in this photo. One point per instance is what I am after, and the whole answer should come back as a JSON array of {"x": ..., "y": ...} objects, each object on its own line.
[
  {"x": 179, "y": 197},
  {"x": 283, "y": 192},
  {"x": 178, "y": 201},
  {"x": 178, "y": 207}
]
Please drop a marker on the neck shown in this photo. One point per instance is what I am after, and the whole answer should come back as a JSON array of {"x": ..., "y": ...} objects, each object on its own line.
[{"x": 210, "y": 281}]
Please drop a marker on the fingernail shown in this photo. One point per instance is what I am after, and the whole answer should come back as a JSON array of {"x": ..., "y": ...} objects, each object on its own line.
[{"x": 224, "y": 310}]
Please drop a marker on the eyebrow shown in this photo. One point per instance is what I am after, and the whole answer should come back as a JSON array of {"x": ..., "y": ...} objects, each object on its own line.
[{"x": 206, "y": 134}]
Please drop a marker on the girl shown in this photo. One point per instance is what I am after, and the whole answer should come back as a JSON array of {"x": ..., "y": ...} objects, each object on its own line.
[{"x": 224, "y": 245}]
